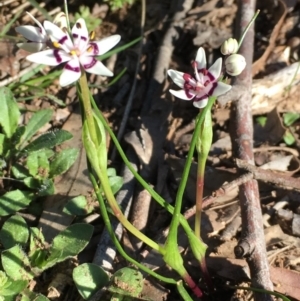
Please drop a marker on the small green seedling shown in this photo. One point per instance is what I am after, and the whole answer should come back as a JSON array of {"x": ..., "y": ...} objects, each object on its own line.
[
  {"x": 116, "y": 4},
  {"x": 289, "y": 119}
]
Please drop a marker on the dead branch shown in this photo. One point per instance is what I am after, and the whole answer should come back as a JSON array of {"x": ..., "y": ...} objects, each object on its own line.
[
  {"x": 252, "y": 244},
  {"x": 269, "y": 176}
]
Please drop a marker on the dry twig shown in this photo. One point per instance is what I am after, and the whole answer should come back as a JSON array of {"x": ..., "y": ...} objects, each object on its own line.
[{"x": 252, "y": 244}]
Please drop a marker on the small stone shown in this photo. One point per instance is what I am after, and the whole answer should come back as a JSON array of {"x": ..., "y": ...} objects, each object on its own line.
[
  {"x": 286, "y": 215},
  {"x": 296, "y": 225}
]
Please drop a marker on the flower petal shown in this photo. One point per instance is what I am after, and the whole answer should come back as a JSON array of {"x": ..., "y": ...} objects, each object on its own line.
[
  {"x": 92, "y": 65},
  {"x": 71, "y": 73},
  {"x": 220, "y": 89},
  {"x": 57, "y": 35},
  {"x": 201, "y": 103},
  {"x": 177, "y": 77},
  {"x": 32, "y": 46},
  {"x": 31, "y": 33},
  {"x": 215, "y": 69},
  {"x": 49, "y": 57},
  {"x": 80, "y": 34},
  {"x": 106, "y": 44},
  {"x": 181, "y": 94},
  {"x": 201, "y": 58}
]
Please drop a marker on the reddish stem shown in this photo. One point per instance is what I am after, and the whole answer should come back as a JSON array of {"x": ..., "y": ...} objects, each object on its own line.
[{"x": 192, "y": 285}]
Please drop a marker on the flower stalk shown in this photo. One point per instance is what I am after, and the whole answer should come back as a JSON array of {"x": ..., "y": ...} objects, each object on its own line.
[
  {"x": 203, "y": 146},
  {"x": 94, "y": 141}
]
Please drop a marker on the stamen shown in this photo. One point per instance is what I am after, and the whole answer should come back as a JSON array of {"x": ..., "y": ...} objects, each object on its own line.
[
  {"x": 92, "y": 35},
  {"x": 187, "y": 77},
  {"x": 56, "y": 45},
  {"x": 90, "y": 48},
  {"x": 73, "y": 52}
]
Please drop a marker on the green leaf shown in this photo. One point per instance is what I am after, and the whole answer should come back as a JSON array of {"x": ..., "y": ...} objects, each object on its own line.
[
  {"x": 37, "y": 247},
  {"x": 10, "y": 113},
  {"x": 2, "y": 141},
  {"x": 16, "y": 264},
  {"x": 78, "y": 206},
  {"x": 36, "y": 122},
  {"x": 288, "y": 138},
  {"x": 127, "y": 281},
  {"x": 14, "y": 231},
  {"x": 69, "y": 243},
  {"x": 47, "y": 188},
  {"x": 41, "y": 298},
  {"x": 48, "y": 140},
  {"x": 261, "y": 120},
  {"x": 290, "y": 118},
  {"x": 16, "y": 137},
  {"x": 63, "y": 161},
  {"x": 38, "y": 164},
  {"x": 19, "y": 171},
  {"x": 15, "y": 200},
  {"x": 111, "y": 172},
  {"x": 115, "y": 183},
  {"x": 43, "y": 187},
  {"x": 89, "y": 278},
  {"x": 12, "y": 287}
]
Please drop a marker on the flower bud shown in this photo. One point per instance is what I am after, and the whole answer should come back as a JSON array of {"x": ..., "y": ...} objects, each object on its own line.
[
  {"x": 61, "y": 20},
  {"x": 235, "y": 64},
  {"x": 229, "y": 46}
]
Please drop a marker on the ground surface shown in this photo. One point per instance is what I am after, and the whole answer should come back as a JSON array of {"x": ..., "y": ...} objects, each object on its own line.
[{"x": 158, "y": 131}]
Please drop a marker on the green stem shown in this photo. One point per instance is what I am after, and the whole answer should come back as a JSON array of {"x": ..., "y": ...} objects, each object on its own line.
[
  {"x": 185, "y": 225},
  {"x": 200, "y": 120},
  {"x": 100, "y": 170},
  {"x": 116, "y": 242},
  {"x": 121, "y": 217},
  {"x": 203, "y": 147},
  {"x": 88, "y": 112}
]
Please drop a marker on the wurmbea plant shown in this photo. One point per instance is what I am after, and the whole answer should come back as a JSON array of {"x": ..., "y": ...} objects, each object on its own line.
[{"x": 56, "y": 44}]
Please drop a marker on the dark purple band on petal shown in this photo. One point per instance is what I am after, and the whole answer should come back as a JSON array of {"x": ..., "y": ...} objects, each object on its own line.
[
  {"x": 211, "y": 77},
  {"x": 214, "y": 86},
  {"x": 75, "y": 35},
  {"x": 62, "y": 40},
  {"x": 91, "y": 64},
  {"x": 95, "y": 48},
  {"x": 75, "y": 69},
  {"x": 57, "y": 56}
]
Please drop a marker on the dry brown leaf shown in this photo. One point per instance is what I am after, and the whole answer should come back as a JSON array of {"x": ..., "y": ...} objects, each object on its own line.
[{"x": 286, "y": 282}]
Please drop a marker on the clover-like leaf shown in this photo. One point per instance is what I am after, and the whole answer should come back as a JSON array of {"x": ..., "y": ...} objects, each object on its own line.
[
  {"x": 14, "y": 200},
  {"x": 14, "y": 231},
  {"x": 89, "y": 278},
  {"x": 16, "y": 263},
  {"x": 63, "y": 161},
  {"x": 68, "y": 243}
]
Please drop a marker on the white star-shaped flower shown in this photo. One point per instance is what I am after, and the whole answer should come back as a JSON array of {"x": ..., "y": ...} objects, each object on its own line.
[
  {"x": 78, "y": 51},
  {"x": 203, "y": 84}
]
